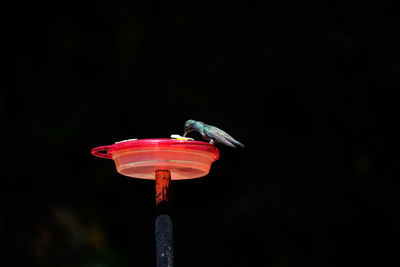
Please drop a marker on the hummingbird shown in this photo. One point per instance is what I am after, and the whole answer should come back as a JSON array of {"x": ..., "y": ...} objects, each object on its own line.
[{"x": 211, "y": 133}]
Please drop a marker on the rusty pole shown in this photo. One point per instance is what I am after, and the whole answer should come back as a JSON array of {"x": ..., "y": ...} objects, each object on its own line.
[{"x": 164, "y": 245}]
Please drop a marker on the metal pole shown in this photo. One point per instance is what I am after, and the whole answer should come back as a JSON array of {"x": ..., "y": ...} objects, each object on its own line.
[{"x": 164, "y": 234}]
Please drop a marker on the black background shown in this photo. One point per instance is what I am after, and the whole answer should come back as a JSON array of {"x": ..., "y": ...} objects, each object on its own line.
[{"x": 307, "y": 86}]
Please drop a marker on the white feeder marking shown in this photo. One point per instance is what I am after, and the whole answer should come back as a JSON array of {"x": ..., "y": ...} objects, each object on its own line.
[
  {"x": 134, "y": 139},
  {"x": 178, "y": 137}
]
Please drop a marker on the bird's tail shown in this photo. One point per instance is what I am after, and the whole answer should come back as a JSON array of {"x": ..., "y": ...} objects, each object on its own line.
[{"x": 236, "y": 142}]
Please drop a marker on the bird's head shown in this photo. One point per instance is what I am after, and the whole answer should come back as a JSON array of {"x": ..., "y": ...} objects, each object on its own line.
[{"x": 189, "y": 126}]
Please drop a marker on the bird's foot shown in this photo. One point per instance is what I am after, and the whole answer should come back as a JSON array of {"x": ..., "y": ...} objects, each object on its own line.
[{"x": 212, "y": 141}]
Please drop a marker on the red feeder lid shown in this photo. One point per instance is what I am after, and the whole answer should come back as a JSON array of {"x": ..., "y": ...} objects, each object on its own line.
[{"x": 141, "y": 158}]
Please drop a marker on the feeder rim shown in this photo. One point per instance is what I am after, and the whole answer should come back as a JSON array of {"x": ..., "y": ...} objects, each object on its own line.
[{"x": 106, "y": 151}]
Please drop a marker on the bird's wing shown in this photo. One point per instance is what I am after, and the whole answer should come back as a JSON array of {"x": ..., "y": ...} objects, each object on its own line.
[{"x": 219, "y": 136}]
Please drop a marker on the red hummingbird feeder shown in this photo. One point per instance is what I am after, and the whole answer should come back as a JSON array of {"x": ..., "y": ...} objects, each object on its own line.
[
  {"x": 163, "y": 160},
  {"x": 142, "y": 158}
]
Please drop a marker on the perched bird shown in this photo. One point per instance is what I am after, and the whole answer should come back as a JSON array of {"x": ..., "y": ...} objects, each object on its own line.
[{"x": 211, "y": 133}]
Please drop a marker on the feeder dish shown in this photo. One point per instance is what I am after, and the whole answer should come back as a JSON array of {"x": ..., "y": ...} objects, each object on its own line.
[{"x": 141, "y": 158}]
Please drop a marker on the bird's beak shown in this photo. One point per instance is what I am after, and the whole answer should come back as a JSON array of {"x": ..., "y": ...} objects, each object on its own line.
[{"x": 185, "y": 133}]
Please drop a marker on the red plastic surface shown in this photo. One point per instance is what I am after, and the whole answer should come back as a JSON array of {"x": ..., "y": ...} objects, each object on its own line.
[{"x": 141, "y": 158}]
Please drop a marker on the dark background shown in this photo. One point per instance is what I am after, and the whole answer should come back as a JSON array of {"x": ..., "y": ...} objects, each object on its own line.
[{"x": 305, "y": 85}]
